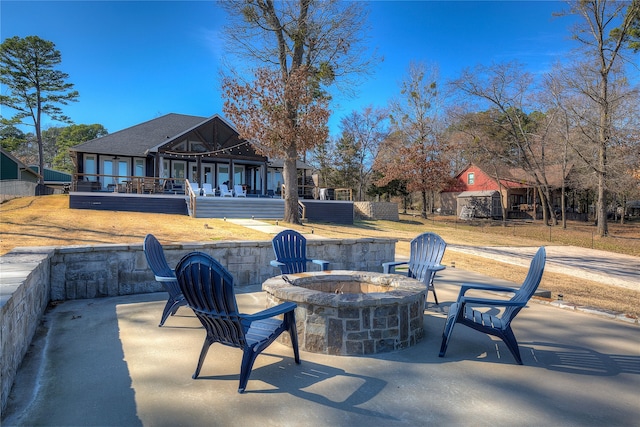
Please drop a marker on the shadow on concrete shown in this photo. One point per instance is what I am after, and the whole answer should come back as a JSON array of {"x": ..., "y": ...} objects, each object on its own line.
[{"x": 94, "y": 386}]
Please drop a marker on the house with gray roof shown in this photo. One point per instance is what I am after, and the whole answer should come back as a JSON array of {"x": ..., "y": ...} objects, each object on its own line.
[
  {"x": 170, "y": 149},
  {"x": 163, "y": 166}
]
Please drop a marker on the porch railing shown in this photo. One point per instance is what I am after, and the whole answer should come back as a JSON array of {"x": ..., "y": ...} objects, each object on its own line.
[{"x": 127, "y": 184}]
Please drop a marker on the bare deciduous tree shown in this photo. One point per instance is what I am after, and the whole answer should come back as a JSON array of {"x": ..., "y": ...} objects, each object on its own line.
[
  {"x": 603, "y": 33},
  {"x": 305, "y": 45},
  {"x": 519, "y": 133},
  {"x": 367, "y": 129},
  {"x": 416, "y": 123}
]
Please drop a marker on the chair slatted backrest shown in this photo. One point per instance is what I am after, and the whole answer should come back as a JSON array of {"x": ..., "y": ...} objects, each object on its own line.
[
  {"x": 427, "y": 250},
  {"x": 224, "y": 190},
  {"x": 290, "y": 248},
  {"x": 155, "y": 257},
  {"x": 529, "y": 286},
  {"x": 208, "y": 288}
]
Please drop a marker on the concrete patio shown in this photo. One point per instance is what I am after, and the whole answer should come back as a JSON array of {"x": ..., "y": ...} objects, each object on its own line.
[{"x": 105, "y": 362}]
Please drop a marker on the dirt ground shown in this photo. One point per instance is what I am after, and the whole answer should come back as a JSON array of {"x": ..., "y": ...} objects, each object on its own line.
[{"x": 48, "y": 221}]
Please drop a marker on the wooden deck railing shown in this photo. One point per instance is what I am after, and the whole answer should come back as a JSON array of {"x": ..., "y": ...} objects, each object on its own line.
[{"x": 127, "y": 184}]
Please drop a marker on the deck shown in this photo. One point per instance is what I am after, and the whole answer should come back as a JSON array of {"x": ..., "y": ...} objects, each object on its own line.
[{"x": 339, "y": 212}]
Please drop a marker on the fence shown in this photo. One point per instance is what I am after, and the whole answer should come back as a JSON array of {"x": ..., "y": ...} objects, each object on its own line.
[{"x": 10, "y": 189}]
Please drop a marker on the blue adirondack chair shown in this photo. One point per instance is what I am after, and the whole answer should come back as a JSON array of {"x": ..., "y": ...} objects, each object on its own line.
[
  {"x": 427, "y": 250},
  {"x": 165, "y": 275},
  {"x": 208, "y": 288},
  {"x": 463, "y": 311},
  {"x": 290, "y": 248}
]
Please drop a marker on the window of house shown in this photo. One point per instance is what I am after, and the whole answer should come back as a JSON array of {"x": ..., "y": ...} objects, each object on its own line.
[
  {"x": 90, "y": 166},
  {"x": 238, "y": 175},
  {"x": 197, "y": 147},
  {"x": 179, "y": 168},
  {"x": 165, "y": 168},
  {"x": 193, "y": 173},
  {"x": 138, "y": 169},
  {"x": 471, "y": 177},
  {"x": 223, "y": 174}
]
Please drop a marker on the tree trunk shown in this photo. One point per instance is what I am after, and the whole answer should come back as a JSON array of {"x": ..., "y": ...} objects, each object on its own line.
[
  {"x": 290, "y": 176},
  {"x": 543, "y": 206},
  {"x": 424, "y": 204},
  {"x": 563, "y": 205},
  {"x": 601, "y": 205},
  {"x": 547, "y": 198},
  {"x": 603, "y": 135},
  {"x": 504, "y": 203}
]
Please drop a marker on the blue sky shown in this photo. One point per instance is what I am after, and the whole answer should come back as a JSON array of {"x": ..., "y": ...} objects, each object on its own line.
[{"x": 134, "y": 61}]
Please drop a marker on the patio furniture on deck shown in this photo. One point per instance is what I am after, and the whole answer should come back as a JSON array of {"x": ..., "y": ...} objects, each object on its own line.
[
  {"x": 208, "y": 288},
  {"x": 194, "y": 187},
  {"x": 165, "y": 275},
  {"x": 239, "y": 191},
  {"x": 208, "y": 190},
  {"x": 174, "y": 186},
  {"x": 224, "y": 191},
  {"x": 290, "y": 248},
  {"x": 463, "y": 311},
  {"x": 427, "y": 251},
  {"x": 150, "y": 185}
]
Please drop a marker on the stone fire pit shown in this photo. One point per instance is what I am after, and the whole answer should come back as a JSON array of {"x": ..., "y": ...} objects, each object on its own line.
[{"x": 351, "y": 312}]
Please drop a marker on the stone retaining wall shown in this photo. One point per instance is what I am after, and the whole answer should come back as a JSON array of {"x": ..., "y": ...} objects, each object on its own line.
[
  {"x": 376, "y": 210},
  {"x": 32, "y": 277}
]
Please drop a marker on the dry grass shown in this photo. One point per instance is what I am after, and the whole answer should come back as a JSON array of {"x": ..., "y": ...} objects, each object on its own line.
[
  {"x": 47, "y": 221},
  {"x": 575, "y": 290}
]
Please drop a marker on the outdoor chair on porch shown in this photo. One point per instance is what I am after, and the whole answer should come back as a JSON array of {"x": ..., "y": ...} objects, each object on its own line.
[
  {"x": 427, "y": 251},
  {"x": 290, "y": 248},
  {"x": 239, "y": 191},
  {"x": 207, "y": 190},
  {"x": 224, "y": 191},
  {"x": 150, "y": 185},
  {"x": 464, "y": 309},
  {"x": 165, "y": 275},
  {"x": 208, "y": 288}
]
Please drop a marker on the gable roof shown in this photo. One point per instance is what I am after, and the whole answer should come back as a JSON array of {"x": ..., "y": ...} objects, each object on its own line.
[
  {"x": 139, "y": 139},
  {"x": 518, "y": 177},
  {"x": 17, "y": 166}
]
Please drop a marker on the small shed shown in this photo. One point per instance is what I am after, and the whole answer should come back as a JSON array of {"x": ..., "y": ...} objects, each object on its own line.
[
  {"x": 485, "y": 204},
  {"x": 13, "y": 169},
  {"x": 53, "y": 178},
  {"x": 16, "y": 179}
]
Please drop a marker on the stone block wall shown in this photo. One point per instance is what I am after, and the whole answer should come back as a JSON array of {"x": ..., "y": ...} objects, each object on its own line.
[
  {"x": 376, "y": 210},
  {"x": 113, "y": 270},
  {"x": 24, "y": 295},
  {"x": 32, "y": 277}
]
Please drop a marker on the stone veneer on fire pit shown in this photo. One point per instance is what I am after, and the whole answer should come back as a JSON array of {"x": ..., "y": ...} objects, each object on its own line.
[{"x": 351, "y": 312}]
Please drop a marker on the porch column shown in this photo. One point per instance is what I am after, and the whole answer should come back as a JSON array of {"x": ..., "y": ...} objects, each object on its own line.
[
  {"x": 265, "y": 175},
  {"x": 199, "y": 170},
  {"x": 160, "y": 163}
]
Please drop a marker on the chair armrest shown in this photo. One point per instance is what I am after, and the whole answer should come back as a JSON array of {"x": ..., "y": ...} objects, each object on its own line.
[
  {"x": 484, "y": 287},
  {"x": 389, "y": 267},
  {"x": 166, "y": 278},
  {"x": 285, "y": 307},
  {"x": 491, "y": 302},
  {"x": 276, "y": 264},
  {"x": 437, "y": 267},
  {"x": 324, "y": 264}
]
